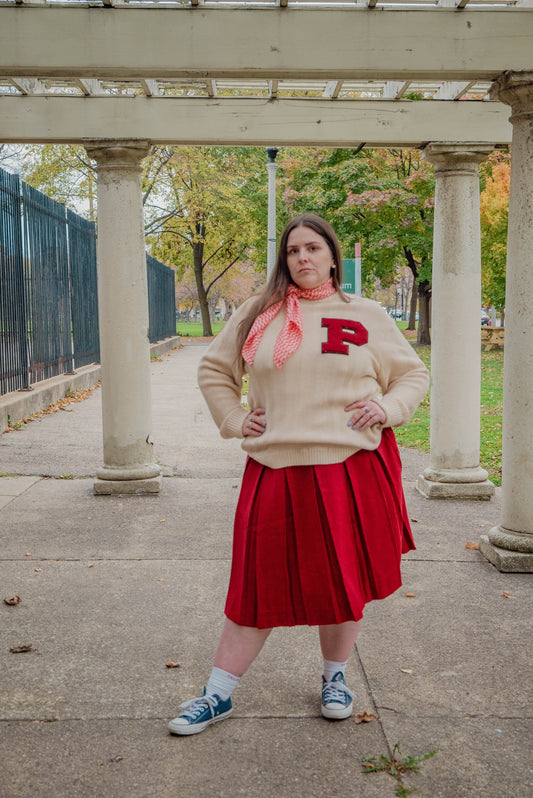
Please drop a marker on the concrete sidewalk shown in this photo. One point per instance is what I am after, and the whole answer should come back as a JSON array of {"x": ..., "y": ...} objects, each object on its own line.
[{"x": 112, "y": 587}]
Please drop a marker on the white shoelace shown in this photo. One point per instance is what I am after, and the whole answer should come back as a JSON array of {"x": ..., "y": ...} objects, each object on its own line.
[
  {"x": 335, "y": 691},
  {"x": 197, "y": 706}
]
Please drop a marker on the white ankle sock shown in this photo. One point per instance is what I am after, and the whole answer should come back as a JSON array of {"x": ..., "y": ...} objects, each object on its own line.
[
  {"x": 221, "y": 683},
  {"x": 331, "y": 668}
]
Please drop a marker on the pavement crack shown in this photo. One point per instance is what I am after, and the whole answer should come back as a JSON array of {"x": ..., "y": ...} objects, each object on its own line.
[
  {"x": 373, "y": 700},
  {"x": 452, "y": 717}
]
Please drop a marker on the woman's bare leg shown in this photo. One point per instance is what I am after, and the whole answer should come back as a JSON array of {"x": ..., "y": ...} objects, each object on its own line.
[
  {"x": 337, "y": 640},
  {"x": 238, "y": 647}
]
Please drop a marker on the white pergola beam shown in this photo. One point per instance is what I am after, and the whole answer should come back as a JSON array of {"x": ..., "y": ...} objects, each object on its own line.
[
  {"x": 131, "y": 43},
  {"x": 150, "y": 87},
  {"x": 451, "y": 90},
  {"x": 251, "y": 121},
  {"x": 332, "y": 89},
  {"x": 28, "y": 85},
  {"x": 394, "y": 89},
  {"x": 89, "y": 87}
]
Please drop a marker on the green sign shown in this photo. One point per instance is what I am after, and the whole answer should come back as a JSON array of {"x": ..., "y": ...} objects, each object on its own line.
[
  {"x": 351, "y": 276},
  {"x": 348, "y": 275}
]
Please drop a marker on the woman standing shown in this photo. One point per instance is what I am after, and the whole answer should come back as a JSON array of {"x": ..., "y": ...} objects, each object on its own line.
[{"x": 321, "y": 521}]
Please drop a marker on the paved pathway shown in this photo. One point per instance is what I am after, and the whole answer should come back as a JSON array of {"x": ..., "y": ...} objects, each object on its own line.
[{"x": 113, "y": 587}]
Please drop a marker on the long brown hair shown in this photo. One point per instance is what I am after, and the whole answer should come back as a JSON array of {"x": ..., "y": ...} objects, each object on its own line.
[{"x": 280, "y": 279}]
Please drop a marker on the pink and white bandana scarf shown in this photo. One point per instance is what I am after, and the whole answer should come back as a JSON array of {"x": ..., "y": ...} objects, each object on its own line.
[{"x": 290, "y": 337}]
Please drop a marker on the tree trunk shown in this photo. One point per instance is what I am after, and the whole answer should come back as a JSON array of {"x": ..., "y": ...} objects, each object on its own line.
[
  {"x": 424, "y": 323},
  {"x": 198, "y": 260},
  {"x": 412, "y": 307}
]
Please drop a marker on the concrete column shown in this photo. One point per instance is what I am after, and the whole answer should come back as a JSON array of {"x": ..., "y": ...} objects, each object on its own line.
[
  {"x": 509, "y": 546},
  {"x": 123, "y": 315},
  {"x": 454, "y": 470}
]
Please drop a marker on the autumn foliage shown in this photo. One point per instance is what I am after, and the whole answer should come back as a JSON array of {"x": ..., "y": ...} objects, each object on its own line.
[
  {"x": 381, "y": 198},
  {"x": 494, "y": 206}
]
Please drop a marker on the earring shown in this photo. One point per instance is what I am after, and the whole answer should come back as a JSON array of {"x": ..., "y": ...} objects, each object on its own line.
[{"x": 334, "y": 266}]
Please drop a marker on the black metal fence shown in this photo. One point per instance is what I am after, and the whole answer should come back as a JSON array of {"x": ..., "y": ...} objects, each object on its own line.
[
  {"x": 161, "y": 300},
  {"x": 13, "y": 324},
  {"x": 47, "y": 285},
  {"x": 83, "y": 289},
  {"x": 48, "y": 288}
]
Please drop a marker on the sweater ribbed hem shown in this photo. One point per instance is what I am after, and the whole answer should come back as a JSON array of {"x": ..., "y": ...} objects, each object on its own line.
[{"x": 303, "y": 456}]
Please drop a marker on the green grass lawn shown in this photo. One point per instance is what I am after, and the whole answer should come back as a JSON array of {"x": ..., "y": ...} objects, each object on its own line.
[
  {"x": 195, "y": 329},
  {"x": 416, "y": 433}
]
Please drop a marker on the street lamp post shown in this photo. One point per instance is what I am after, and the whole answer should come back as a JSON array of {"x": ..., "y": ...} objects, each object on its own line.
[{"x": 271, "y": 169}]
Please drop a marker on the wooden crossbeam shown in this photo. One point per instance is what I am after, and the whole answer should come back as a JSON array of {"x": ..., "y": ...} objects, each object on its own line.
[
  {"x": 242, "y": 121},
  {"x": 164, "y": 43}
]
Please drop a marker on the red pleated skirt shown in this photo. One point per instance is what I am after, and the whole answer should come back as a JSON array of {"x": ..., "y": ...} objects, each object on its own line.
[{"x": 313, "y": 544}]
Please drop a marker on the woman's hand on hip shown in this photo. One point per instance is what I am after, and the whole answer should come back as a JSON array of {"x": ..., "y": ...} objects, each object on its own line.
[
  {"x": 255, "y": 423},
  {"x": 365, "y": 414}
]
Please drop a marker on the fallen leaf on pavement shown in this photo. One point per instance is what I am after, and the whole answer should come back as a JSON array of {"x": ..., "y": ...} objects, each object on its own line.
[
  {"x": 406, "y": 670},
  {"x": 115, "y": 759},
  {"x": 162, "y": 520},
  {"x": 410, "y": 595},
  {"x": 471, "y": 545},
  {"x": 160, "y": 579},
  {"x": 91, "y": 565},
  {"x": 21, "y": 649},
  {"x": 505, "y": 594},
  {"x": 28, "y": 554},
  {"x": 171, "y": 664},
  {"x": 364, "y": 717},
  {"x": 414, "y": 520},
  {"x": 12, "y": 601},
  {"x": 37, "y": 570}
]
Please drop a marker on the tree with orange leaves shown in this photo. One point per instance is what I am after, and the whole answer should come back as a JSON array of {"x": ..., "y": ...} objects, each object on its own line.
[{"x": 494, "y": 207}]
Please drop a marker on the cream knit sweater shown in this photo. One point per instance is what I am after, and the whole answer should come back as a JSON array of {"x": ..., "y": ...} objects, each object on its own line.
[{"x": 350, "y": 351}]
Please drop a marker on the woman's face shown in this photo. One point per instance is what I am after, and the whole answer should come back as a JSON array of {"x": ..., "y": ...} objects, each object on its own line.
[{"x": 309, "y": 258}]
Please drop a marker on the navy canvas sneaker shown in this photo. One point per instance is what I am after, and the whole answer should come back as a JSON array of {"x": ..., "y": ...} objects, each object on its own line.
[
  {"x": 337, "y": 699},
  {"x": 200, "y": 713}
]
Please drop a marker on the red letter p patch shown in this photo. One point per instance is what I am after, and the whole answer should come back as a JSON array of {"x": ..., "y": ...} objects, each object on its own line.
[{"x": 342, "y": 332}]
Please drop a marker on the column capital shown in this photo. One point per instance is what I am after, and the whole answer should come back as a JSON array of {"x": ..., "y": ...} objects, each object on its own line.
[
  {"x": 515, "y": 89},
  {"x": 117, "y": 153},
  {"x": 456, "y": 158}
]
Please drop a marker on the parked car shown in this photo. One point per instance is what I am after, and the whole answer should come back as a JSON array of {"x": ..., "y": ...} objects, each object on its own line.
[{"x": 485, "y": 319}]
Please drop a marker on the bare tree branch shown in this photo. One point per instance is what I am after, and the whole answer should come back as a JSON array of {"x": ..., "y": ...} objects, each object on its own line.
[
  {"x": 180, "y": 235},
  {"x": 224, "y": 245},
  {"x": 162, "y": 163},
  {"x": 223, "y": 272}
]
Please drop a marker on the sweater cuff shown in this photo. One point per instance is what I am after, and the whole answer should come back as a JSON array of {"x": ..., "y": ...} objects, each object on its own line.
[
  {"x": 231, "y": 427},
  {"x": 392, "y": 409}
]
